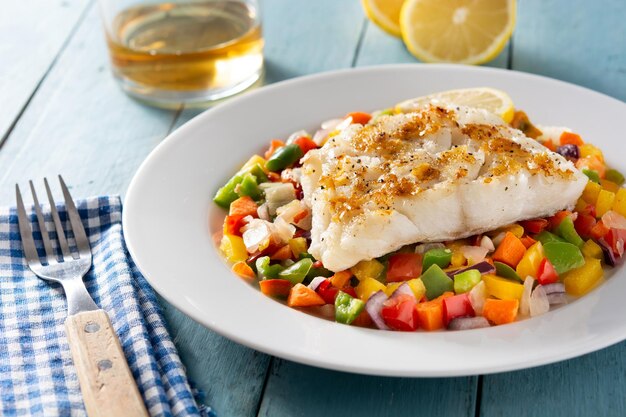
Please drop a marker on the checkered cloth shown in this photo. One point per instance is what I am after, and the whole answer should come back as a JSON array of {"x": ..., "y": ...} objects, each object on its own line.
[{"x": 36, "y": 372}]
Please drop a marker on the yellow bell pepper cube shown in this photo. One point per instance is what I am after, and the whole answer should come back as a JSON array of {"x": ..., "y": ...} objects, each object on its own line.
[
  {"x": 418, "y": 288},
  {"x": 233, "y": 248},
  {"x": 502, "y": 288},
  {"x": 254, "y": 159},
  {"x": 581, "y": 280},
  {"x": 592, "y": 250},
  {"x": 619, "y": 205},
  {"x": 457, "y": 259},
  {"x": 367, "y": 287},
  {"x": 516, "y": 229},
  {"x": 297, "y": 246},
  {"x": 529, "y": 264},
  {"x": 391, "y": 287},
  {"x": 588, "y": 149},
  {"x": 580, "y": 205},
  {"x": 591, "y": 191},
  {"x": 609, "y": 185},
  {"x": 604, "y": 203},
  {"x": 367, "y": 269}
]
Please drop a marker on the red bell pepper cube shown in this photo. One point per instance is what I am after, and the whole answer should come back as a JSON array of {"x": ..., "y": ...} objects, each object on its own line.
[
  {"x": 404, "y": 266},
  {"x": 233, "y": 224},
  {"x": 329, "y": 293},
  {"x": 616, "y": 239},
  {"x": 457, "y": 306},
  {"x": 399, "y": 313},
  {"x": 534, "y": 225},
  {"x": 546, "y": 273},
  {"x": 584, "y": 225},
  {"x": 305, "y": 143}
]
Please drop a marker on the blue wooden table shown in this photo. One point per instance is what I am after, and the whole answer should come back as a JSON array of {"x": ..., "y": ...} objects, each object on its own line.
[{"x": 61, "y": 112}]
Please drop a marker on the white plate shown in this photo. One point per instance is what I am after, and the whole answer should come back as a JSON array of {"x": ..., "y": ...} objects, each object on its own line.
[{"x": 169, "y": 219}]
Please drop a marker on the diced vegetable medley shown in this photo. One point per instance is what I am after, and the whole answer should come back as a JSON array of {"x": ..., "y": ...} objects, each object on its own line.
[{"x": 518, "y": 271}]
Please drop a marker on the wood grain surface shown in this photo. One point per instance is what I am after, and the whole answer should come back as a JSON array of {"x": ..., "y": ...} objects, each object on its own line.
[{"x": 63, "y": 113}]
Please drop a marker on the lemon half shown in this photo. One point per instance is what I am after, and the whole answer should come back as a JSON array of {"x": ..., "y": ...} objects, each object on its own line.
[
  {"x": 495, "y": 101},
  {"x": 385, "y": 14},
  {"x": 460, "y": 31}
]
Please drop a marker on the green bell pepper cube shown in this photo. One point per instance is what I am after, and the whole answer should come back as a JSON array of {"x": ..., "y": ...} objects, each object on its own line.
[
  {"x": 563, "y": 256},
  {"x": 615, "y": 176},
  {"x": 296, "y": 272},
  {"x": 347, "y": 308},
  {"x": 250, "y": 187},
  {"x": 592, "y": 175},
  {"x": 547, "y": 237},
  {"x": 227, "y": 193},
  {"x": 436, "y": 282},
  {"x": 440, "y": 257},
  {"x": 568, "y": 232},
  {"x": 505, "y": 271},
  {"x": 283, "y": 157},
  {"x": 465, "y": 281},
  {"x": 265, "y": 270}
]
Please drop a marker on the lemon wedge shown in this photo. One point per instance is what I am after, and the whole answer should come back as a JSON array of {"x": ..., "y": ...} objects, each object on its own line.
[
  {"x": 385, "y": 14},
  {"x": 465, "y": 32},
  {"x": 495, "y": 101}
]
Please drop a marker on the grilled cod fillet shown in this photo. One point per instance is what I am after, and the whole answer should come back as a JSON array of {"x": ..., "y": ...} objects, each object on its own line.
[{"x": 436, "y": 174}]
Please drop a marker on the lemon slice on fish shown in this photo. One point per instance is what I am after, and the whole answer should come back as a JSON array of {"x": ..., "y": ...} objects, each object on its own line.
[
  {"x": 495, "y": 101},
  {"x": 385, "y": 14},
  {"x": 465, "y": 32}
]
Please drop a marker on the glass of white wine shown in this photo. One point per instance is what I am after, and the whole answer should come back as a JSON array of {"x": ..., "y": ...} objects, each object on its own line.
[{"x": 167, "y": 53}]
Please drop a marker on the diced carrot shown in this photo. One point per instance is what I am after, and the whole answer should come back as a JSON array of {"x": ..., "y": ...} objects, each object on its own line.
[
  {"x": 243, "y": 270},
  {"x": 592, "y": 162},
  {"x": 302, "y": 296},
  {"x": 569, "y": 138},
  {"x": 305, "y": 143},
  {"x": 274, "y": 177},
  {"x": 510, "y": 251},
  {"x": 359, "y": 117},
  {"x": 363, "y": 320},
  {"x": 283, "y": 253},
  {"x": 599, "y": 230},
  {"x": 528, "y": 241},
  {"x": 275, "y": 287},
  {"x": 233, "y": 224},
  {"x": 500, "y": 311},
  {"x": 556, "y": 220},
  {"x": 300, "y": 216},
  {"x": 550, "y": 145},
  {"x": 243, "y": 206},
  {"x": 430, "y": 313},
  {"x": 274, "y": 144},
  {"x": 340, "y": 279}
]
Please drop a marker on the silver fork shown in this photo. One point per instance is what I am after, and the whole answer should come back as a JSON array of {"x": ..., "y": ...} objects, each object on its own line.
[{"x": 106, "y": 382}]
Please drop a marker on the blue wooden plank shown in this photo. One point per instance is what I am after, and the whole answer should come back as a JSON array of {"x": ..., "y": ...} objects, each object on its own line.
[
  {"x": 378, "y": 47},
  {"x": 579, "y": 41},
  {"x": 32, "y": 33},
  {"x": 302, "y": 391},
  {"x": 592, "y": 385}
]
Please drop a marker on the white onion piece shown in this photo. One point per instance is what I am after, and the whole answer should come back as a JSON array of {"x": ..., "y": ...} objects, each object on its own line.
[
  {"x": 344, "y": 124},
  {"x": 477, "y": 297},
  {"x": 487, "y": 243},
  {"x": 468, "y": 323},
  {"x": 315, "y": 282},
  {"x": 374, "y": 306},
  {"x": 277, "y": 194},
  {"x": 296, "y": 135},
  {"x": 256, "y": 233},
  {"x": 557, "y": 298},
  {"x": 425, "y": 247},
  {"x": 283, "y": 230},
  {"x": 320, "y": 136},
  {"x": 331, "y": 124},
  {"x": 614, "y": 220},
  {"x": 403, "y": 289},
  {"x": 524, "y": 305},
  {"x": 474, "y": 254},
  {"x": 263, "y": 212},
  {"x": 498, "y": 238},
  {"x": 290, "y": 210},
  {"x": 552, "y": 288},
  {"x": 539, "y": 303}
]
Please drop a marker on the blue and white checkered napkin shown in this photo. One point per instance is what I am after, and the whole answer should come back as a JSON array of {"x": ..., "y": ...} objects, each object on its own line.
[{"x": 36, "y": 372}]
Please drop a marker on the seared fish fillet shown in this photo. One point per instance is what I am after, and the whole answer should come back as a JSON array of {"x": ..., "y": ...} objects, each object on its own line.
[{"x": 436, "y": 174}]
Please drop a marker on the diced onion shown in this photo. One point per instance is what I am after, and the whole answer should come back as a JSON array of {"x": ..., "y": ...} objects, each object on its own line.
[
  {"x": 477, "y": 297},
  {"x": 331, "y": 124},
  {"x": 474, "y": 254},
  {"x": 524, "y": 305},
  {"x": 553, "y": 288},
  {"x": 468, "y": 323},
  {"x": 483, "y": 267},
  {"x": 296, "y": 135},
  {"x": 498, "y": 238},
  {"x": 256, "y": 234},
  {"x": 539, "y": 303},
  {"x": 425, "y": 247},
  {"x": 263, "y": 212},
  {"x": 403, "y": 289},
  {"x": 487, "y": 243},
  {"x": 614, "y": 220},
  {"x": 283, "y": 230},
  {"x": 277, "y": 194},
  {"x": 315, "y": 282},
  {"x": 320, "y": 136},
  {"x": 557, "y": 298},
  {"x": 374, "y": 306}
]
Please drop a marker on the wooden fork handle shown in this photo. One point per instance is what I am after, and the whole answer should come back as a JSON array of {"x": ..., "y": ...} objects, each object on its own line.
[{"x": 107, "y": 385}]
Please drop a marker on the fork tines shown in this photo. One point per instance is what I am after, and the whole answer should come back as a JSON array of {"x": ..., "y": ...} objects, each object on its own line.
[{"x": 30, "y": 251}]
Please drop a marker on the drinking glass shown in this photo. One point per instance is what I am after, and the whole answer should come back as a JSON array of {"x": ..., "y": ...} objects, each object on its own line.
[{"x": 183, "y": 51}]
